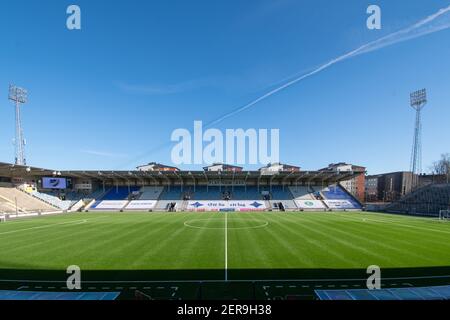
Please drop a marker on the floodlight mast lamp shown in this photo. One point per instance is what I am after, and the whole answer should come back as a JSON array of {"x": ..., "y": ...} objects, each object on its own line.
[
  {"x": 418, "y": 102},
  {"x": 19, "y": 96}
]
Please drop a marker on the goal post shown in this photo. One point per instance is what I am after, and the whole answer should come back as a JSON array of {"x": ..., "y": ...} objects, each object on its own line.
[{"x": 444, "y": 215}]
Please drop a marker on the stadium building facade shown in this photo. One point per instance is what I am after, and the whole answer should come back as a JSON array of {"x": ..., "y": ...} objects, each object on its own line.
[
  {"x": 355, "y": 185},
  {"x": 156, "y": 188},
  {"x": 388, "y": 187}
]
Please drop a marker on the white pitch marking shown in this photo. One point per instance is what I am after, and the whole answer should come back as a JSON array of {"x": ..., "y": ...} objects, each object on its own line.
[
  {"x": 394, "y": 223},
  {"x": 262, "y": 225},
  {"x": 46, "y": 226},
  {"x": 75, "y": 222},
  {"x": 407, "y": 285}
]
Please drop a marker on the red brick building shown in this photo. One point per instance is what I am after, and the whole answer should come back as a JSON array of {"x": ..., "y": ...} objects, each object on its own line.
[{"x": 357, "y": 185}]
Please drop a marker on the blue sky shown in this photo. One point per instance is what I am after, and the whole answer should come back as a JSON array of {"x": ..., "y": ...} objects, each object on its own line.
[{"x": 110, "y": 95}]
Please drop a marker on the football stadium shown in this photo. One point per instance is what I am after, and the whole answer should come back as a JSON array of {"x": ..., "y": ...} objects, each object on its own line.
[
  {"x": 227, "y": 234},
  {"x": 297, "y": 182}
]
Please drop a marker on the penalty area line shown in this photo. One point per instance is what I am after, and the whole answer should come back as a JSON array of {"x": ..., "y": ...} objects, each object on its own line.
[{"x": 46, "y": 226}]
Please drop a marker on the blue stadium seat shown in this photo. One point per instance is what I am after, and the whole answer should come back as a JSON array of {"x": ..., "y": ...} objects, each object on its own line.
[
  {"x": 174, "y": 193},
  {"x": 280, "y": 193},
  {"x": 251, "y": 193},
  {"x": 120, "y": 193},
  {"x": 210, "y": 193},
  {"x": 337, "y": 193}
]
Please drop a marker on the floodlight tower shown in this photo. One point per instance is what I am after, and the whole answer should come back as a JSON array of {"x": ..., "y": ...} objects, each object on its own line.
[
  {"x": 19, "y": 96},
  {"x": 418, "y": 102}
]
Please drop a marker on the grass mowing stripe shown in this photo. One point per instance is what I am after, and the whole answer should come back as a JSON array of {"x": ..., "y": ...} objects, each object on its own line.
[
  {"x": 398, "y": 224},
  {"x": 154, "y": 239},
  {"x": 272, "y": 248},
  {"x": 250, "y": 254},
  {"x": 47, "y": 226},
  {"x": 115, "y": 247},
  {"x": 309, "y": 236},
  {"x": 34, "y": 241},
  {"x": 124, "y": 241},
  {"x": 39, "y": 251},
  {"x": 34, "y": 220},
  {"x": 395, "y": 217},
  {"x": 345, "y": 243},
  {"x": 160, "y": 241},
  {"x": 329, "y": 242},
  {"x": 412, "y": 244},
  {"x": 373, "y": 247},
  {"x": 407, "y": 235},
  {"x": 70, "y": 241},
  {"x": 294, "y": 244},
  {"x": 375, "y": 228},
  {"x": 31, "y": 228},
  {"x": 163, "y": 253},
  {"x": 112, "y": 241},
  {"x": 195, "y": 249}
]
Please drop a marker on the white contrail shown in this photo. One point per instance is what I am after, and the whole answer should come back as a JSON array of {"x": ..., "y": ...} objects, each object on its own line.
[
  {"x": 421, "y": 28},
  {"x": 425, "y": 26}
]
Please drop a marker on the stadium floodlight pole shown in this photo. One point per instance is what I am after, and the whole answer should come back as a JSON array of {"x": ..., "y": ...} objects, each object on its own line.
[
  {"x": 418, "y": 102},
  {"x": 19, "y": 96}
]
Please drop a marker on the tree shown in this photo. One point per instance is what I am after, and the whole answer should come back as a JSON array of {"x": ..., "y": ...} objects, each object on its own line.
[{"x": 442, "y": 167}]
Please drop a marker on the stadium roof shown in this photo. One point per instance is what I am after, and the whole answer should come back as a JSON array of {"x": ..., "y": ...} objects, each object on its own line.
[
  {"x": 11, "y": 170},
  {"x": 15, "y": 171}
]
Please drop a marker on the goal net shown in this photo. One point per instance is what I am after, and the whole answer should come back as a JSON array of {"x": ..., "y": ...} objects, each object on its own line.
[{"x": 444, "y": 215}]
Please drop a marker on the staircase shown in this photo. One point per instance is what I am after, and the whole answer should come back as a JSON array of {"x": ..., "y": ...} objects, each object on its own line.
[
  {"x": 184, "y": 205},
  {"x": 25, "y": 202}
]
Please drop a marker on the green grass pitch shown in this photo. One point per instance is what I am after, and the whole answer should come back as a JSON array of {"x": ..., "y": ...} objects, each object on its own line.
[{"x": 217, "y": 245}]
